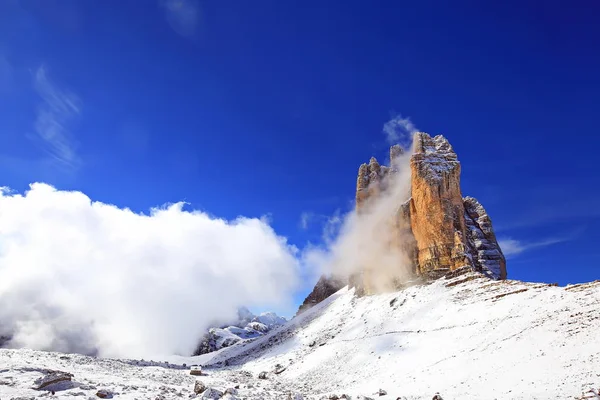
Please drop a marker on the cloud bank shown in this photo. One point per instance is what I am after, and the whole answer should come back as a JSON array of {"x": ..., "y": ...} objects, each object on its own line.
[{"x": 88, "y": 277}]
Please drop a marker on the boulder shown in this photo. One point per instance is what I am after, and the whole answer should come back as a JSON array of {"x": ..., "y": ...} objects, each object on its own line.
[
  {"x": 212, "y": 393},
  {"x": 104, "y": 394},
  {"x": 262, "y": 375},
  {"x": 199, "y": 387},
  {"x": 51, "y": 378}
]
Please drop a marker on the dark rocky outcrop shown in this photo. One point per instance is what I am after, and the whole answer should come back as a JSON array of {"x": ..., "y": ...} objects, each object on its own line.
[{"x": 325, "y": 287}]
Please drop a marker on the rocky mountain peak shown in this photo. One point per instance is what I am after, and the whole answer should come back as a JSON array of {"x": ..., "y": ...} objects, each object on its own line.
[{"x": 436, "y": 229}]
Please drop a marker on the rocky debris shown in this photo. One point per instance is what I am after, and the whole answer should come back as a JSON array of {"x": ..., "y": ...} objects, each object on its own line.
[
  {"x": 199, "y": 387},
  {"x": 105, "y": 394},
  {"x": 262, "y": 375},
  {"x": 325, "y": 287},
  {"x": 212, "y": 393},
  {"x": 51, "y": 378}
]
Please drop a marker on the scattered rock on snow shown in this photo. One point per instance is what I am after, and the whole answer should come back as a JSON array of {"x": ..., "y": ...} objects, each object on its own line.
[
  {"x": 212, "y": 393},
  {"x": 104, "y": 394},
  {"x": 199, "y": 387},
  {"x": 382, "y": 392},
  {"x": 279, "y": 369},
  {"x": 51, "y": 378},
  {"x": 262, "y": 375},
  {"x": 87, "y": 387},
  {"x": 231, "y": 391},
  {"x": 294, "y": 396}
]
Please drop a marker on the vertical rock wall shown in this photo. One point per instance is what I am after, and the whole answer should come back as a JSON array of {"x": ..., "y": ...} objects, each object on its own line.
[{"x": 438, "y": 229}]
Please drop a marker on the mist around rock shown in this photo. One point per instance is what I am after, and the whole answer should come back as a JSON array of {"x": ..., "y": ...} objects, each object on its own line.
[{"x": 369, "y": 238}]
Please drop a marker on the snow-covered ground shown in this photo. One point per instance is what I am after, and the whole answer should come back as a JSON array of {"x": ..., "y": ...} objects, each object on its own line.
[{"x": 466, "y": 338}]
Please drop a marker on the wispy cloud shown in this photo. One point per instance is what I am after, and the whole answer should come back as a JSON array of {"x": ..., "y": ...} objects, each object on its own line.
[
  {"x": 329, "y": 224},
  {"x": 305, "y": 218},
  {"x": 399, "y": 130},
  {"x": 182, "y": 15},
  {"x": 58, "y": 108},
  {"x": 513, "y": 247}
]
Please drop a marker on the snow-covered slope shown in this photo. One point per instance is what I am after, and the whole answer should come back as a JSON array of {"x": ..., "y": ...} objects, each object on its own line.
[{"x": 466, "y": 337}]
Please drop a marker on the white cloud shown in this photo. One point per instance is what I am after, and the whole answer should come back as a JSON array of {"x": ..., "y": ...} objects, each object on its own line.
[
  {"x": 512, "y": 247},
  {"x": 399, "y": 130},
  {"x": 182, "y": 15},
  {"x": 77, "y": 275},
  {"x": 53, "y": 116}
]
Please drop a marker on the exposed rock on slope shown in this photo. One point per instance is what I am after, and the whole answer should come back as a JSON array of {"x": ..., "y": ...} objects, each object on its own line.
[{"x": 324, "y": 288}]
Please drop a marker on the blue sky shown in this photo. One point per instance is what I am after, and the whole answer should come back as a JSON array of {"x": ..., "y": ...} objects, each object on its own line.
[{"x": 269, "y": 107}]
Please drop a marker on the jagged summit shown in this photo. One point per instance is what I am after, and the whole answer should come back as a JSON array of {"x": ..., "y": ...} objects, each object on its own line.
[
  {"x": 433, "y": 226},
  {"x": 434, "y": 157}
]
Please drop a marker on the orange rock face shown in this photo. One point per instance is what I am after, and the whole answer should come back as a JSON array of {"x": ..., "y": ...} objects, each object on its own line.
[
  {"x": 436, "y": 206},
  {"x": 436, "y": 228}
]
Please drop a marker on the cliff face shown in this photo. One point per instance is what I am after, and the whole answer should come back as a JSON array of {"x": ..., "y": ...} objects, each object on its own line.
[
  {"x": 437, "y": 213},
  {"x": 438, "y": 229}
]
